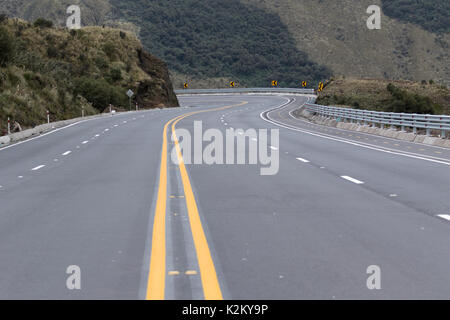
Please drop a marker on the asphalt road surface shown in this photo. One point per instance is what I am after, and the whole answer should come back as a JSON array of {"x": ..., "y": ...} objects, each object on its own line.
[{"x": 105, "y": 195}]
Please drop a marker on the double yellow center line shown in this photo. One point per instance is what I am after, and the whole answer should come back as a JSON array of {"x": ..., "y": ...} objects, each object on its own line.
[{"x": 157, "y": 273}]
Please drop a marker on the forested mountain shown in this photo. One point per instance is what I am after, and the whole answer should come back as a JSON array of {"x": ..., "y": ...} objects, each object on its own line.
[
  {"x": 215, "y": 38},
  {"x": 211, "y": 42},
  {"x": 432, "y": 15}
]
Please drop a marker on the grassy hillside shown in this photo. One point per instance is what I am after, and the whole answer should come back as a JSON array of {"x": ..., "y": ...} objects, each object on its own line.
[
  {"x": 63, "y": 71},
  {"x": 386, "y": 95},
  {"x": 254, "y": 41}
]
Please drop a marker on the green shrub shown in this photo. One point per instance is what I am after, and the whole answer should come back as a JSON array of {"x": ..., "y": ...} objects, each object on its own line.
[
  {"x": 116, "y": 75},
  {"x": 100, "y": 93},
  {"x": 6, "y": 46},
  {"x": 52, "y": 52},
  {"x": 34, "y": 81},
  {"x": 110, "y": 50},
  {"x": 13, "y": 78},
  {"x": 403, "y": 101},
  {"x": 42, "y": 23}
]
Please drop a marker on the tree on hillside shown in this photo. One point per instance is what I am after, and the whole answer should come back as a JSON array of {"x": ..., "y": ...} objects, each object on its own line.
[{"x": 6, "y": 46}]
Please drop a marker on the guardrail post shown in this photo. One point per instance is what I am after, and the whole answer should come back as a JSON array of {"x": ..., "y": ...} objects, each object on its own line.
[
  {"x": 403, "y": 129},
  {"x": 443, "y": 134},
  {"x": 415, "y": 130},
  {"x": 428, "y": 132}
]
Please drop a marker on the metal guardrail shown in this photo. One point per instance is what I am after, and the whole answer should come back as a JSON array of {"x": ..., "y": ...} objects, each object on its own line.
[
  {"x": 245, "y": 90},
  {"x": 392, "y": 119}
]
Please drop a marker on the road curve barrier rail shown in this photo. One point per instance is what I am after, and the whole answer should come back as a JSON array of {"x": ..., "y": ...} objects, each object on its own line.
[
  {"x": 245, "y": 91},
  {"x": 394, "y": 120}
]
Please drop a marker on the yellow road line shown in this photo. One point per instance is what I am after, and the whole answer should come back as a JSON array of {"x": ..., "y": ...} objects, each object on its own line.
[
  {"x": 157, "y": 272},
  {"x": 210, "y": 283}
]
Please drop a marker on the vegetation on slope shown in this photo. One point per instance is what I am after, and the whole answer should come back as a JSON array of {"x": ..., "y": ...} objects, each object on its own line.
[
  {"x": 431, "y": 15},
  {"x": 211, "y": 42},
  {"x": 215, "y": 38},
  {"x": 390, "y": 96},
  {"x": 63, "y": 71}
]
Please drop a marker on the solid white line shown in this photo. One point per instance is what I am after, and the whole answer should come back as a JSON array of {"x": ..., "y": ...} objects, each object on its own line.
[
  {"x": 303, "y": 160},
  {"x": 324, "y": 136},
  {"x": 38, "y": 167},
  {"x": 444, "y": 216},
  {"x": 352, "y": 179},
  {"x": 67, "y": 153}
]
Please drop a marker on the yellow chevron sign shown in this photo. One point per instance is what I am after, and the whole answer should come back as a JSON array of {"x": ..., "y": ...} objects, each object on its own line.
[{"x": 320, "y": 88}]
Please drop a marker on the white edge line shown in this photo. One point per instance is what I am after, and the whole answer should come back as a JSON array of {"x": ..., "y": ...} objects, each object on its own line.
[
  {"x": 54, "y": 131},
  {"x": 345, "y": 141}
]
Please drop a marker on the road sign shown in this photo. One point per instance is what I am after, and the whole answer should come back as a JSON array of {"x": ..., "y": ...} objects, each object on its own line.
[
  {"x": 186, "y": 85},
  {"x": 304, "y": 84},
  {"x": 320, "y": 88},
  {"x": 274, "y": 83},
  {"x": 232, "y": 84},
  {"x": 130, "y": 93}
]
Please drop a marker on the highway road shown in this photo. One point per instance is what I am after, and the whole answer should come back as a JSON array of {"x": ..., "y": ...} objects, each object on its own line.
[{"x": 105, "y": 195}]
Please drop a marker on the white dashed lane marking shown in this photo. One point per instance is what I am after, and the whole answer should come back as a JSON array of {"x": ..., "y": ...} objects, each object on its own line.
[
  {"x": 38, "y": 167},
  {"x": 303, "y": 160},
  {"x": 84, "y": 142},
  {"x": 444, "y": 216},
  {"x": 67, "y": 153},
  {"x": 352, "y": 179}
]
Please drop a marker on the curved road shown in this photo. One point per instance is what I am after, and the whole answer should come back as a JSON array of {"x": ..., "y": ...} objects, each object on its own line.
[{"x": 102, "y": 196}]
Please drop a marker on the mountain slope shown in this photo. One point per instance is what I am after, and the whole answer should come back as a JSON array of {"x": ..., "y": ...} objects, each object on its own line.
[
  {"x": 255, "y": 41},
  {"x": 334, "y": 34},
  {"x": 64, "y": 71}
]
